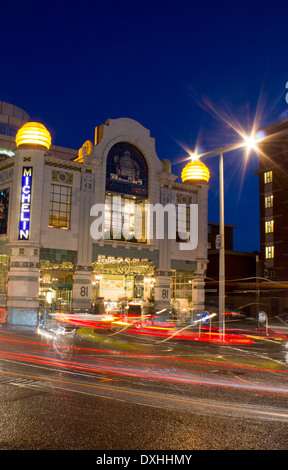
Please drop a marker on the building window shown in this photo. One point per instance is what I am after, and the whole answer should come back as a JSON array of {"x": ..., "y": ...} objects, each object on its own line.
[
  {"x": 126, "y": 171},
  {"x": 183, "y": 224},
  {"x": 6, "y": 129},
  {"x": 271, "y": 274},
  {"x": 124, "y": 218},
  {"x": 4, "y": 205},
  {"x": 268, "y": 202},
  {"x": 268, "y": 177},
  {"x": 182, "y": 286},
  {"x": 60, "y": 206},
  {"x": 269, "y": 252},
  {"x": 4, "y": 261},
  {"x": 269, "y": 226}
]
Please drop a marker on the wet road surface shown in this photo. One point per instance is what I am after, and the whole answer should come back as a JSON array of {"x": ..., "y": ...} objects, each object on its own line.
[{"x": 151, "y": 396}]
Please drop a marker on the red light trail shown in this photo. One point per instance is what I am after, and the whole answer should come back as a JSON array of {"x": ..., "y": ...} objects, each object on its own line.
[{"x": 113, "y": 365}]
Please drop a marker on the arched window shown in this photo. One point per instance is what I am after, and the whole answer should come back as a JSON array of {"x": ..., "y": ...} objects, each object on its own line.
[
  {"x": 127, "y": 171},
  {"x": 126, "y": 191}
]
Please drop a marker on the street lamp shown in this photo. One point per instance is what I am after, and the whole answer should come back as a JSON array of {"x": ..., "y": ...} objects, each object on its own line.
[{"x": 250, "y": 142}]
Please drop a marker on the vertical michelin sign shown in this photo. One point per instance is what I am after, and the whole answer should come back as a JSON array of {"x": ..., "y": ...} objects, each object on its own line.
[{"x": 25, "y": 205}]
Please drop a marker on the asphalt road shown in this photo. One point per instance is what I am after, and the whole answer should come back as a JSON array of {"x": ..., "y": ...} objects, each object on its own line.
[{"x": 153, "y": 396}]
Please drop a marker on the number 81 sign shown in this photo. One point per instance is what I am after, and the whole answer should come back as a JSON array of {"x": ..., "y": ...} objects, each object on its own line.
[
  {"x": 84, "y": 291},
  {"x": 165, "y": 293}
]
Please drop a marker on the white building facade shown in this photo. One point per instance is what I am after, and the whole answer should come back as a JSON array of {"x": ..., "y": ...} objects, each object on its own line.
[{"x": 51, "y": 255}]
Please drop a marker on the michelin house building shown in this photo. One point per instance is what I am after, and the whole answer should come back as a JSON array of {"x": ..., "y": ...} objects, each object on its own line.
[{"x": 59, "y": 251}]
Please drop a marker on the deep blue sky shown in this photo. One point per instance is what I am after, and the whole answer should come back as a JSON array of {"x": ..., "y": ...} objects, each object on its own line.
[{"x": 72, "y": 65}]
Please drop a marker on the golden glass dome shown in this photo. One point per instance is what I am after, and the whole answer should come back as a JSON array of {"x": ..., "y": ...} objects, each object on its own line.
[
  {"x": 33, "y": 134},
  {"x": 195, "y": 171}
]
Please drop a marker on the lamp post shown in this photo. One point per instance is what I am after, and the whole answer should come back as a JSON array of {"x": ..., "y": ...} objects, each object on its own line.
[
  {"x": 249, "y": 143},
  {"x": 222, "y": 246}
]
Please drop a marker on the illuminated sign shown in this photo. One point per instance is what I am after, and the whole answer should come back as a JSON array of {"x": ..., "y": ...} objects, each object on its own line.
[{"x": 25, "y": 205}]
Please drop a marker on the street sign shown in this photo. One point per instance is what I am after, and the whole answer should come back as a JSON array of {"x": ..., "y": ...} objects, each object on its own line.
[
  {"x": 262, "y": 317},
  {"x": 205, "y": 318},
  {"x": 218, "y": 242}
]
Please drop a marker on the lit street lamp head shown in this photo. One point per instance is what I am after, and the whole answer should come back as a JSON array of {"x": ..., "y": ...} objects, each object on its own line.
[
  {"x": 194, "y": 157},
  {"x": 250, "y": 142}
]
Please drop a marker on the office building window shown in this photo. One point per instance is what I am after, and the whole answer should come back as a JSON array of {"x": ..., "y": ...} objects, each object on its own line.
[
  {"x": 268, "y": 202},
  {"x": 60, "y": 206},
  {"x": 6, "y": 129},
  {"x": 268, "y": 177},
  {"x": 269, "y": 226},
  {"x": 269, "y": 252},
  {"x": 271, "y": 274}
]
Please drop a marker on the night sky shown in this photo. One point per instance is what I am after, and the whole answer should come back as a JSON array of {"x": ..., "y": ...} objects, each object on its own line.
[{"x": 185, "y": 70}]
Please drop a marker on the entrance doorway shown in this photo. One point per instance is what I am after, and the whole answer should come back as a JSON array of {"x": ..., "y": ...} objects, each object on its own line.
[
  {"x": 55, "y": 291},
  {"x": 123, "y": 278}
]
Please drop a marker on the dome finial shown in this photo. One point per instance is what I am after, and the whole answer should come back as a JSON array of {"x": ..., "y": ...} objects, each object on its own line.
[
  {"x": 33, "y": 134},
  {"x": 195, "y": 172}
]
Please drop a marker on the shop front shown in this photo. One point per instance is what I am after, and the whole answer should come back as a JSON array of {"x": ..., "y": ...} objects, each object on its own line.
[
  {"x": 55, "y": 289},
  {"x": 118, "y": 279}
]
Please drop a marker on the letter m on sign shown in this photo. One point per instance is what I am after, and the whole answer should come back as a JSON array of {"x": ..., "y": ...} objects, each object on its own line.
[{"x": 27, "y": 171}]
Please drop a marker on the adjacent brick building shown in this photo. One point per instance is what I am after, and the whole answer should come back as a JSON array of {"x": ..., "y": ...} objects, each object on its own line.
[{"x": 273, "y": 193}]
